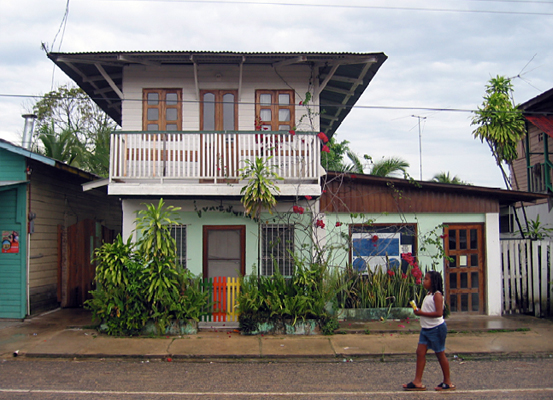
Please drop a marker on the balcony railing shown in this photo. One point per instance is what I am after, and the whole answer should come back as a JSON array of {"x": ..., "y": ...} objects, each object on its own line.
[
  {"x": 211, "y": 157},
  {"x": 539, "y": 177}
]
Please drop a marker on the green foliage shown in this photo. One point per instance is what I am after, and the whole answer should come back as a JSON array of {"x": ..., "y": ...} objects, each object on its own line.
[
  {"x": 536, "y": 230},
  {"x": 280, "y": 299},
  {"x": 118, "y": 300},
  {"x": 376, "y": 289},
  {"x": 389, "y": 166},
  {"x": 67, "y": 119},
  {"x": 258, "y": 194},
  {"x": 500, "y": 122},
  {"x": 137, "y": 283},
  {"x": 445, "y": 177},
  {"x": 432, "y": 244},
  {"x": 63, "y": 147},
  {"x": 333, "y": 161}
]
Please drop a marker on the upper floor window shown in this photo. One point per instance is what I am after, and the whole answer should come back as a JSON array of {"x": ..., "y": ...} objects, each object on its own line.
[
  {"x": 162, "y": 109},
  {"x": 218, "y": 110},
  {"x": 274, "y": 110}
]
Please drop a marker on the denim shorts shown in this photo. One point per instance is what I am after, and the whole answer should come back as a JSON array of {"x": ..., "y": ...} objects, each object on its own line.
[{"x": 434, "y": 338}]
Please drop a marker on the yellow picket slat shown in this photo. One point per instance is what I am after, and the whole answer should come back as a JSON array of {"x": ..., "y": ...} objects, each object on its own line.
[{"x": 233, "y": 288}]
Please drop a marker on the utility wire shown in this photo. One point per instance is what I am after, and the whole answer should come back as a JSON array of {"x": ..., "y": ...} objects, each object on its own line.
[
  {"x": 61, "y": 29},
  {"x": 357, "y": 106},
  {"x": 342, "y": 6}
]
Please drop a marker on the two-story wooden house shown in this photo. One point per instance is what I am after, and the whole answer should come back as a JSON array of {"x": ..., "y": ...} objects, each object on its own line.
[
  {"x": 190, "y": 120},
  {"x": 532, "y": 171}
]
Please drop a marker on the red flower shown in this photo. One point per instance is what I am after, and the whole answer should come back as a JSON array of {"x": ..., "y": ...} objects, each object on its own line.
[
  {"x": 292, "y": 132},
  {"x": 298, "y": 209},
  {"x": 403, "y": 275},
  {"x": 301, "y": 103},
  {"x": 308, "y": 197},
  {"x": 391, "y": 273},
  {"x": 417, "y": 273},
  {"x": 338, "y": 223},
  {"x": 353, "y": 176},
  {"x": 324, "y": 190},
  {"x": 325, "y": 149},
  {"x": 374, "y": 238},
  {"x": 443, "y": 236},
  {"x": 418, "y": 281},
  {"x": 323, "y": 137},
  {"x": 320, "y": 224}
]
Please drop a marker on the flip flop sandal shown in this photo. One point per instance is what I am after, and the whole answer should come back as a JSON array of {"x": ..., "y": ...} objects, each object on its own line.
[
  {"x": 411, "y": 387},
  {"x": 445, "y": 386}
]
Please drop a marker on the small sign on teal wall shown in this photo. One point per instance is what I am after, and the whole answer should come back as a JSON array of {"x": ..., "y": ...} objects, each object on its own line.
[{"x": 10, "y": 242}]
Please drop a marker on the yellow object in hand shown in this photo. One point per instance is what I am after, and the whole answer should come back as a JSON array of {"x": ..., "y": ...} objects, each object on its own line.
[{"x": 413, "y": 304}]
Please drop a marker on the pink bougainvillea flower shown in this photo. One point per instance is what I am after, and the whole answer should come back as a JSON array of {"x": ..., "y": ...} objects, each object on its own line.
[
  {"x": 403, "y": 275},
  {"x": 325, "y": 149},
  {"x": 323, "y": 137},
  {"x": 374, "y": 238},
  {"x": 320, "y": 224},
  {"x": 401, "y": 326},
  {"x": 308, "y": 197},
  {"x": 301, "y": 103},
  {"x": 418, "y": 281},
  {"x": 391, "y": 273},
  {"x": 444, "y": 236},
  {"x": 292, "y": 132},
  {"x": 338, "y": 223}
]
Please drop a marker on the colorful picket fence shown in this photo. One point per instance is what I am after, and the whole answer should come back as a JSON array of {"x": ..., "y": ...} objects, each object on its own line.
[{"x": 223, "y": 299}]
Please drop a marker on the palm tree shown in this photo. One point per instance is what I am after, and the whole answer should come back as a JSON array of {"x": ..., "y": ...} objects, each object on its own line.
[
  {"x": 63, "y": 147},
  {"x": 445, "y": 177},
  {"x": 97, "y": 160},
  {"x": 391, "y": 166}
]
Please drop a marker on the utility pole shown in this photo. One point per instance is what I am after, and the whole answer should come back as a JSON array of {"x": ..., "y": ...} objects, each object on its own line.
[{"x": 420, "y": 144}]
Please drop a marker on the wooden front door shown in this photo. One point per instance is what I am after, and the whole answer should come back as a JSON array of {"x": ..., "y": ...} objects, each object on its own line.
[
  {"x": 464, "y": 272},
  {"x": 224, "y": 250}
]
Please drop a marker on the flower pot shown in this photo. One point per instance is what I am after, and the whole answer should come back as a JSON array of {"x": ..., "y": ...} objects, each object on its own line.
[{"x": 174, "y": 328}]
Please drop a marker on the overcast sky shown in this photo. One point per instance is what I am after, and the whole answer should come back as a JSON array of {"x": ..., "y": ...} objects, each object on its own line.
[{"x": 440, "y": 56}]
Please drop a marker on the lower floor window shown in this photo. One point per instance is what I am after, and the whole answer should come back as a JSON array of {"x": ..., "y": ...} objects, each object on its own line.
[
  {"x": 178, "y": 232},
  {"x": 382, "y": 245},
  {"x": 277, "y": 244}
]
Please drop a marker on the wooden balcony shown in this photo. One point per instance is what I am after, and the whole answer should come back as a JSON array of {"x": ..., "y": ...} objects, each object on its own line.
[{"x": 209, "y": 163}]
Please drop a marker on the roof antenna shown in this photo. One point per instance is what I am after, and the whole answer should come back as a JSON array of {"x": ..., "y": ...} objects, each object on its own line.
[{"x": 420, "y": 144}]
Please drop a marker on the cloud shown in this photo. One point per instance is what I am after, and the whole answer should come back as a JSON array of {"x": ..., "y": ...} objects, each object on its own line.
[{"x": 436, "y": 60}]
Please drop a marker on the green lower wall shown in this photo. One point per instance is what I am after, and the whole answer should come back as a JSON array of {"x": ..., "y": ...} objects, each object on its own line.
[{"x": 334, "y": 239}]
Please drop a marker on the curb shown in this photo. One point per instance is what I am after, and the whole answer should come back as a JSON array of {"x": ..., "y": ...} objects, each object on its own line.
[{"x": 339, "y": 357}]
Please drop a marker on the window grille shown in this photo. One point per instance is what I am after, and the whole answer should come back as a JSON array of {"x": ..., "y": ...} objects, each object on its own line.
[
  {"x": 277, "y": 241},
  {"x": 178, "y": 232}
]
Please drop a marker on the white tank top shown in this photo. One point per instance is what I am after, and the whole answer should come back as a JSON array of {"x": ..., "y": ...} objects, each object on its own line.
[{"x": 428, "y": 305}]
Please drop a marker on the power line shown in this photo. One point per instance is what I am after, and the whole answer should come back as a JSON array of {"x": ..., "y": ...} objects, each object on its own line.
[
  {"x": 357, "y": 106},
  {"x": 342, "y": 6}
]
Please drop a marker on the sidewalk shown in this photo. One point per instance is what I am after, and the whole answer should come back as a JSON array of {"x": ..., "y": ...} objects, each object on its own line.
[{"x": 63, "y": 333}]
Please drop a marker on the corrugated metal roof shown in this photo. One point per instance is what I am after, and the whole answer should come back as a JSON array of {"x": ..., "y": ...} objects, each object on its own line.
[{"x": 97, "y": 73}]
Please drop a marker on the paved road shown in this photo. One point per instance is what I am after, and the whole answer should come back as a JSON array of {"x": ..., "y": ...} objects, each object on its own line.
[{"x": 110, "y": 379}]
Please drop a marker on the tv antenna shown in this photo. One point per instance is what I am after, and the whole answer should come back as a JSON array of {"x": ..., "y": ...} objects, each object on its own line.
[{"x": 420, "y": 144}]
